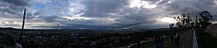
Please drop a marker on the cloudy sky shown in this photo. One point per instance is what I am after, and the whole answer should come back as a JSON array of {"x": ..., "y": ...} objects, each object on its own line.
[{"x": 99, "y": 14}]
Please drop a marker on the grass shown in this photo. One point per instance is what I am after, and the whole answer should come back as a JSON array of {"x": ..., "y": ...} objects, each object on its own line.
[{"x": 205, "y": 40}]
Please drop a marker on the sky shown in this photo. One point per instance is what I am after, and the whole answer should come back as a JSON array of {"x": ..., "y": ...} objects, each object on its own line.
[{"x": 99, "y": 14}]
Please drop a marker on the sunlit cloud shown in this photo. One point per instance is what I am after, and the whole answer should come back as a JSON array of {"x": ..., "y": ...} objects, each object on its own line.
[
  {"x": 76, "y": 8},
  {"x": 77, "y": 18},
  {"x": 167, "y": 20},
  {"x": 141, "y": 4}
]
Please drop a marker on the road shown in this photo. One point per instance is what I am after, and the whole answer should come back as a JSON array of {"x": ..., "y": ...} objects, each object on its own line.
[{"x": 186, "y": 39}]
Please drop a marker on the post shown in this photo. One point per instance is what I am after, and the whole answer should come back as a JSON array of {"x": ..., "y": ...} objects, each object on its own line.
[
  {"x": 18, "y": 42},
  {"x": 58, "y": 26},
  {"x": 196, "y": 19},
  {"x": 23, "y": 24},
  {"x": 24, "y": 16}
]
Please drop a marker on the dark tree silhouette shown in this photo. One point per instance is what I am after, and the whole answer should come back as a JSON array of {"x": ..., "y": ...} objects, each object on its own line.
[
  {"x": 205, "y": 15},
  {"x": 183, "y": 21}
]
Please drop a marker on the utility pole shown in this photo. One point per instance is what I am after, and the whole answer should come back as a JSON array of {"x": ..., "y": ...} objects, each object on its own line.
[
  {"x": 58, "y": 26},
  {"x": 23, "y": 24},
  {"x": 196, "y": 19},
  {"x": 24, "y": 16},
  {"x": 196, "y": 22},
  {"x": 18, "y": 42}
]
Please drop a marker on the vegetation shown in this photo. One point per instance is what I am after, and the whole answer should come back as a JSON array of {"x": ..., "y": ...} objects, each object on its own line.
[
  {"x": 186, "y": 22},
  {"x": 205, "y": 40}
]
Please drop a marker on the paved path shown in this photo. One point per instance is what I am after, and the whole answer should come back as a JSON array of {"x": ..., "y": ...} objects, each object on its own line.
[{"x": 186, "y": 39}]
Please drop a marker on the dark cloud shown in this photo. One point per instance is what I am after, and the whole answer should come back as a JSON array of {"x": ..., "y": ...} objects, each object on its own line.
[
  {"x": 98, "y": 12},
  {"x": 127, "y": 17},
  {"x": 101, "y": 8},
  {"x": 17, "y": 2},
  {"x": 49, "y": 18},
  {"x": 14, "y": 7}
]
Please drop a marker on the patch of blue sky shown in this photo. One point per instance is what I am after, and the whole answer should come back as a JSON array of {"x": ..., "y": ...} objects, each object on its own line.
[{"x": 38, "y": 6}]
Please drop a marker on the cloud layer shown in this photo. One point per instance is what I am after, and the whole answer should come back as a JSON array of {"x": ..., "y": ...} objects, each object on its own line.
[{"x": 98, "y": 14}]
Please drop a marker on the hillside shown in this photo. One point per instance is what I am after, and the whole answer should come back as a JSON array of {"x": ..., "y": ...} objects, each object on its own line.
[{"x": 212, "y": 29}]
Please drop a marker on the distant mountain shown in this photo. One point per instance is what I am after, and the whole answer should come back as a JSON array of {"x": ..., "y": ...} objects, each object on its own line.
[{"x": 7, "y": 28}]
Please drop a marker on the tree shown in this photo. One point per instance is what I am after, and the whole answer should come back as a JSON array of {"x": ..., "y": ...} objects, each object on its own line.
[
  {"x": 183, "y": 21},
  {"x": 205, "y": 15}
]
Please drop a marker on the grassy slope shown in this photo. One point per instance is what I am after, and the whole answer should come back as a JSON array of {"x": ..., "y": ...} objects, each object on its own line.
[
  {"x": 167, "y": 41},
  {"x": 205, "y": 40}
]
